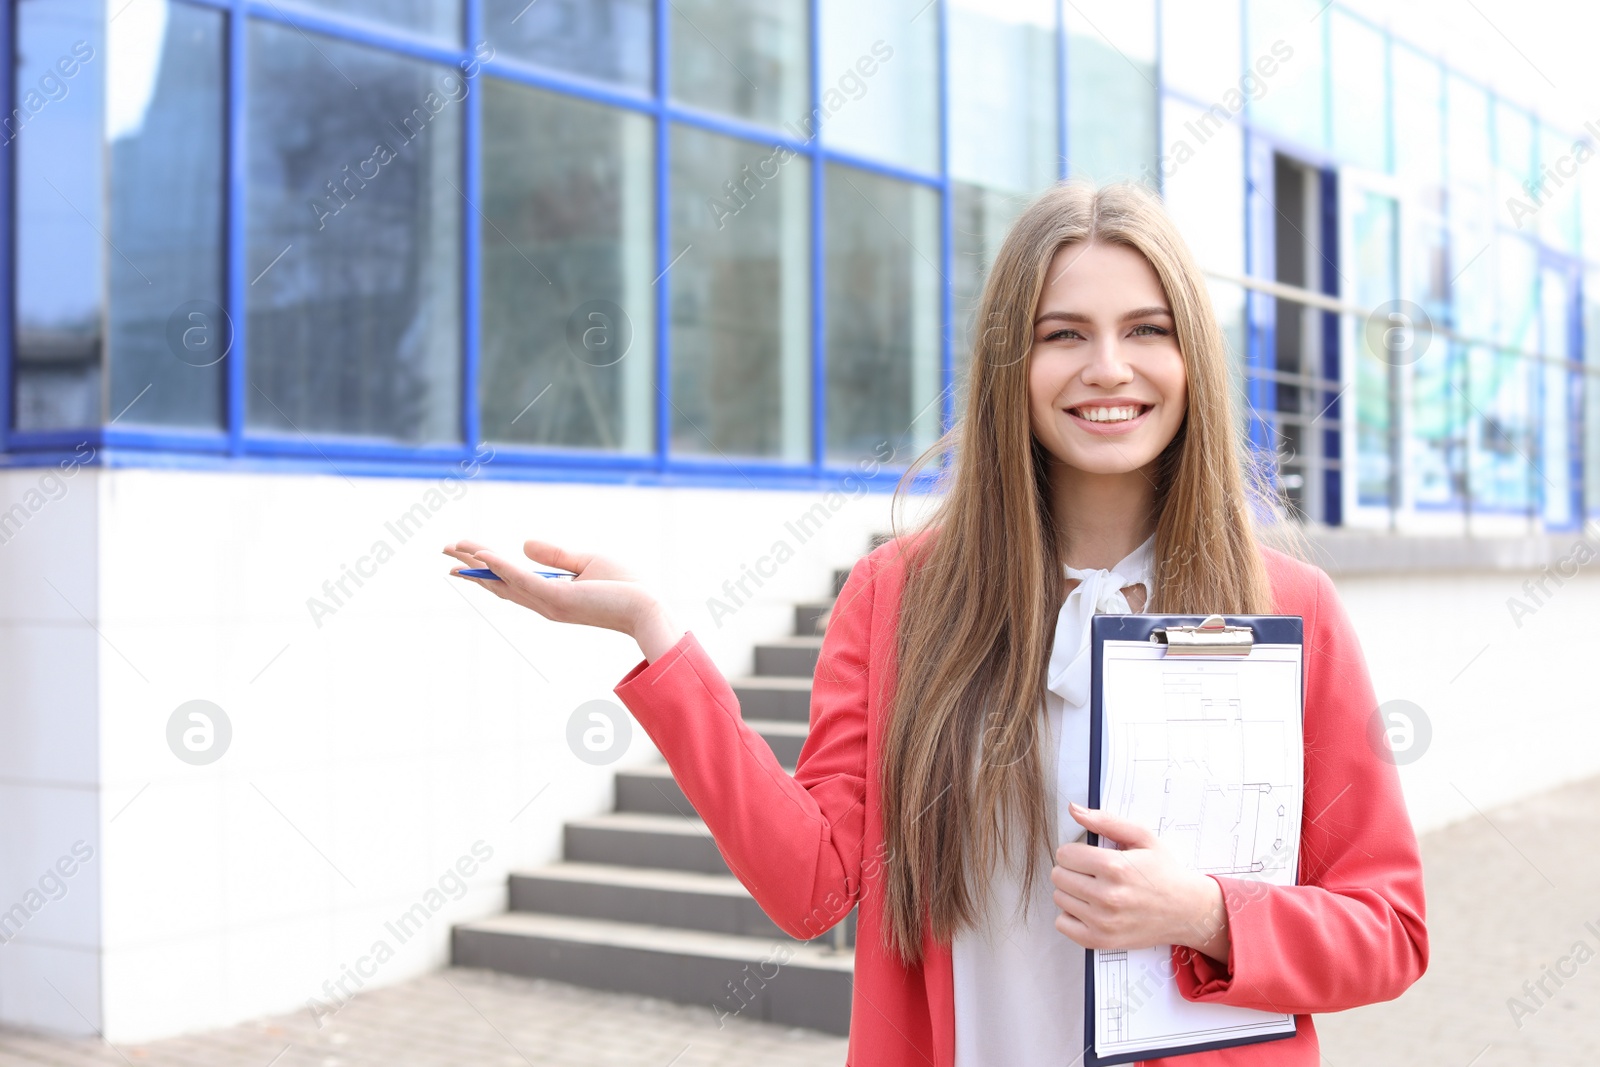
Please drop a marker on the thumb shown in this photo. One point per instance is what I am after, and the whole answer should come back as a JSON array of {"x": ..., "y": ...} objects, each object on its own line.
[{"x": 1125, "y": 832}]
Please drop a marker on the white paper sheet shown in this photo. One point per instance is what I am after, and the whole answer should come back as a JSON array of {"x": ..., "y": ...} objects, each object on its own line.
[{"x": 1207, "y": 753}]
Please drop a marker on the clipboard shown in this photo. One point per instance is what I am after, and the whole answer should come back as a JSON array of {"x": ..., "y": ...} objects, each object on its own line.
[{"x": 1190, "y": 689}]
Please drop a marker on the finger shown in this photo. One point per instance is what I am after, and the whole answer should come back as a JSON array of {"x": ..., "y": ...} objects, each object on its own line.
[
  {"x": 1091, "y": 861},
  {"x": 1124, "y": 832},
  {"x": 1081, "y": 910},
  {"x": 1082, "y": 886},
  {"x": 1075, "y": 929},
  {"x": 555, "y": 556},
  {"x": 523, "y": 586}
]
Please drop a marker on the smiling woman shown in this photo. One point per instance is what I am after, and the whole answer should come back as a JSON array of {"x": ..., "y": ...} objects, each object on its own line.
[{"x": 943, "y": 785}]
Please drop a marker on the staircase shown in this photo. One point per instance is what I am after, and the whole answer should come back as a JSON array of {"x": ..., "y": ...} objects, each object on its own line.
[{"x": 643, "y": 903}]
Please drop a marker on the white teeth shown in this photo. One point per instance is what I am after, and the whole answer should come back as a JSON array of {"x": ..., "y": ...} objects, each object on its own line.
[{"x": 1098, "y": 414}]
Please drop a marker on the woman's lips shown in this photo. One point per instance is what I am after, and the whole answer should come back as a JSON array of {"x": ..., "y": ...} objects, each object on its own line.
[{"x": 1112, "y": 428}]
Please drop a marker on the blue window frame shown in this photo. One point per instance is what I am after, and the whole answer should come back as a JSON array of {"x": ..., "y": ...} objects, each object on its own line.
[{"x": 629, "y": 69}]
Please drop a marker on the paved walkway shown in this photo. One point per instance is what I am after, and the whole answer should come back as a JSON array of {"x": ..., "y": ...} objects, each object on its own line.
[{"x": 1510, "y": 898}]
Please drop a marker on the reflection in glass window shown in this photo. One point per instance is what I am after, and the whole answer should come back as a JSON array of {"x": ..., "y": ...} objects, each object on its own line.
[
  {"x": 879, "y": 90},
  {"x": 164, "y": 122},
  {"x": 1419, "y": 125},
  {"x": 1375, "y": 268},
  {"x": 882, "y": 240},
  {"x": 352, "y": 240},
  {"x": 55, "y": 134},
  {"x": 1436, "y": 457},
  {"x": 1554, "y": 384},
  {"x": 436, "y": 18},
  {"x": 1111, "y": 89},
  {"x": 1003, "y": 125},
  {"x": 1360, "y": 112},
  {"x": 741, "y": 338},
  {"x": 1591, "y": 392},
  {"x": 742, "y": 57},
  {"x": 1203, "y": 189},
  {"x": 1499, "y": 386},
  {"x": 982, "y": 217},
  {"x": 607, "y": 40},
  {"x": 568, "y": 263},
  {"x": 1560, "y": 159},
  {"x": 1470, "y": 160},
  {"x": 1294, "y": 104},
  {"x": 1514, "y": 162}
]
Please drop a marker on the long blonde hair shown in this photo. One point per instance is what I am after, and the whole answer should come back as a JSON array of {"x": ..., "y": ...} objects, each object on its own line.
[{"x": 982, "y": 593}]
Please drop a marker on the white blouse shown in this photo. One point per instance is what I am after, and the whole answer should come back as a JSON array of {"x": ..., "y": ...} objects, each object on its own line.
[{"x": 1019, "y": 980}]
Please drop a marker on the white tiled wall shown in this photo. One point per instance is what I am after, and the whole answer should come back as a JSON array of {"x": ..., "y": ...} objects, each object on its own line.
[{"x": 371, "y": 752}]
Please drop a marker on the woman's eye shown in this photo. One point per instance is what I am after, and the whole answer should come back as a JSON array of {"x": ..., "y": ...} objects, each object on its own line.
[
  {"x": 1155, "y": 331},
  {"x": 1061, "y": 335}
]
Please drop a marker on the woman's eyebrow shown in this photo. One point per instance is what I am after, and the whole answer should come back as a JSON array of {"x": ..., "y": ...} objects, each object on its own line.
[{"x": 1078, "y": 316}]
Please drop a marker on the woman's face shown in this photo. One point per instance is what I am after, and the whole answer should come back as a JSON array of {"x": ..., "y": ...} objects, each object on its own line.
[{"x": 1106, "y": 386}]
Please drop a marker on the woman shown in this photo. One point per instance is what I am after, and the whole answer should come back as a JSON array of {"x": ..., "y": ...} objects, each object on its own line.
[{"x": 942, "y": 783}]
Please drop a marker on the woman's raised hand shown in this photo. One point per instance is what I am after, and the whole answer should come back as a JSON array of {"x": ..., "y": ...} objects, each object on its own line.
[{"x": 603, "y": 594}]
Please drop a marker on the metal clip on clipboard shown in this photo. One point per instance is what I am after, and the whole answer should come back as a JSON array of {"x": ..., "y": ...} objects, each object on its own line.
[{"x": 1213, "y": 637}]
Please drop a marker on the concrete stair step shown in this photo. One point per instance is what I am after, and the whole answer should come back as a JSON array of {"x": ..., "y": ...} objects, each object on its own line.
[
  {"x": 688, "y": 900},
  {"x": 771, "y": 980},
  {"x": 784, "y": 738},
  {"x": 651, "y": 790},
  {"x": 638, "y": 839},
  {"x": 774, "y": 699},
  {"x": 788, "y": 657},
  {"x": 808, "y": 618},
  {"x": 840, "y": 576}
]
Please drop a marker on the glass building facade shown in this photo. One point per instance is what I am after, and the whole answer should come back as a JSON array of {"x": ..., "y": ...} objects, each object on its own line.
[{"x": 738, "y": 242}]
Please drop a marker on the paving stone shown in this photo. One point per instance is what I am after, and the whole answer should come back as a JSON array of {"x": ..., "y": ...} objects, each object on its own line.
[{"x": 1509, "y": 895}]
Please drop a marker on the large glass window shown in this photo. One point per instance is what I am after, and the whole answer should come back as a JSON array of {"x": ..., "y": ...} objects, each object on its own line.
[
  {"x": 882, "y": 241},
  {"x": 606, "y": 40},
  {"x": 353, "y": 240},
  {"x": 879, "y": 89},
  {"x": 743, "y": 57},
  {"x": 1591, "y": 392},
  {"x": 1514, "y": 164},
  {"x": 1004, "y": 132},
  {"x": 1203, "y": 186},
  {"x": 1201, "y": 57},
  {"x": 1004, "y": 141},
  {"x": 1295, "y": 103},
  {"x": 1111, "y": 89},
  {"x": 55, "y": 134},
  {"x": 1419, "y": 126},
  {"x": 1360, "y": 91},
  {"x": 568, "y": 232},
  {"x": 1560, "y": 158},
  {"x": 1500, "y": 386},
  {"x": 741, "y": 342},
  {"x": 437, "y": 18},
  {"x": 1555, "y": 390},
  {"x": 1374, "y": 244},
  {"x": 169, "y": 335}
]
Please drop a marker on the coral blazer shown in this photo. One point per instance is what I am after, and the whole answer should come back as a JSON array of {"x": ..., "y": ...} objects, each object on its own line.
[{"x": 810, "y": 846}]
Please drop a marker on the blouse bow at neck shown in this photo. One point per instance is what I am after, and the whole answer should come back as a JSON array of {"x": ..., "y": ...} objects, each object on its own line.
[{"x": 1098, "y": 591}]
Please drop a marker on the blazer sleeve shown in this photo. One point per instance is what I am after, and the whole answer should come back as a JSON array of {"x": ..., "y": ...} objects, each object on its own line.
[
  {"x": 1351, "y": 932},
  {"x": 794, "y": 842}
]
